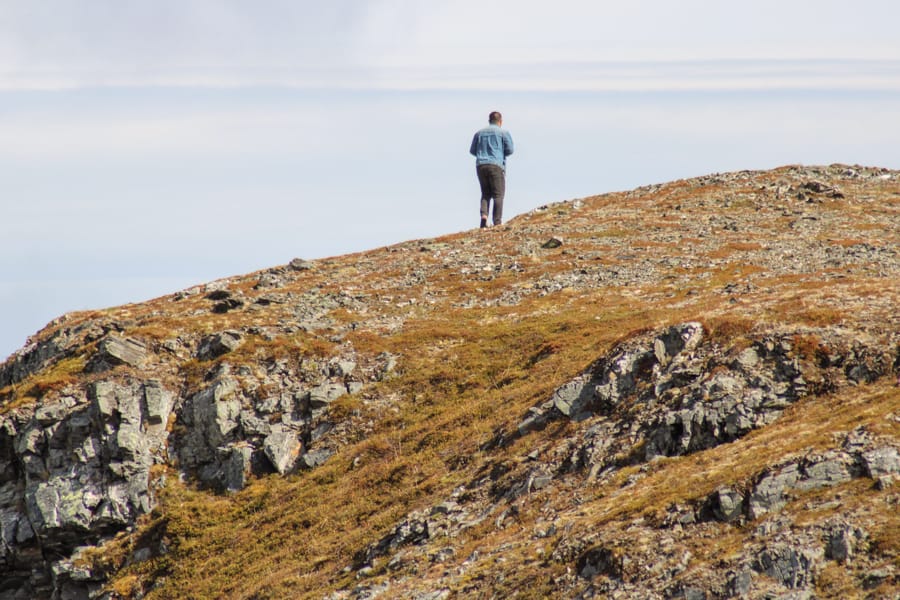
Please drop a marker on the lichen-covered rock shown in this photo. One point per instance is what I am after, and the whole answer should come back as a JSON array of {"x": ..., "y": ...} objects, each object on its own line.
[
  {"x": 792, "y": 567},
  {"x": 881, "y": 461},
  {"x": 573, "y": 399},
  {"x": 214, "y": 346},
  {"x": 114, "y": 350},
  {"x": 238, "y": 467},
  {"x": 326, "y": 393},
  {"x": 769, "y": 492},
  {"x": 316, "y": 457},
  {"x": 299, "y": 264},
  {"x": 61, "y": 343},
  {"x": 841, "y": 542},
  {"x": 726, "y": 504},
  {"x": 78, "y": 468},
  {"x": 684, "y": 395},
  {"x": 282, "y": 447}
]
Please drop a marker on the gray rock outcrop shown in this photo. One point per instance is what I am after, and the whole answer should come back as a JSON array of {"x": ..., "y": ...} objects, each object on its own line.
[
  {"x": 76, "y": 470},
  {"x": 685, "y": 394}
]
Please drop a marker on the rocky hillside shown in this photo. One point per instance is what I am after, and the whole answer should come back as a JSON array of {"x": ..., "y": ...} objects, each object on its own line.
[{"x": 688, "y": 390}]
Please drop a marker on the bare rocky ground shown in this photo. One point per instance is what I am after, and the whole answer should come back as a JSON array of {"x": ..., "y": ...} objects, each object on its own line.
[{"x": 739, "y": 438}]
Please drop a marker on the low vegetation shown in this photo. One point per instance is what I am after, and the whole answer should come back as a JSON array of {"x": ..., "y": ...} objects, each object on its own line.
[{"x": 486, "y": 325}]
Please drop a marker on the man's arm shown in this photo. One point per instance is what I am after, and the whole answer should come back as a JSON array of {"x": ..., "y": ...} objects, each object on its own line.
[
  {"x": 474, "y": 145},
  {"x": 507, "y": 144}
]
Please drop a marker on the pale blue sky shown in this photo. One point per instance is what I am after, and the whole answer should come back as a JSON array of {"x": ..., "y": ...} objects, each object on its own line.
[{"x": 146, "y": 146}]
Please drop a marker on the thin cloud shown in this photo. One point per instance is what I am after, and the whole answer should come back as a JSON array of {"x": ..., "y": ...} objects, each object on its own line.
[
  {"x": 469, "y": 44},
  {"x": 649, "y": 76},
  {"x": 582, "y": 76}
]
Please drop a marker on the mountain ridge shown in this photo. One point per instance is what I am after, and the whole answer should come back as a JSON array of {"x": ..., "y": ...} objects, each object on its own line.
[{"x": 462, "y": 400}]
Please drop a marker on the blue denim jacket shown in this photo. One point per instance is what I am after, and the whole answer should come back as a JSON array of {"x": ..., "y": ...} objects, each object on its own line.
[{"x": 491, "y": 146}]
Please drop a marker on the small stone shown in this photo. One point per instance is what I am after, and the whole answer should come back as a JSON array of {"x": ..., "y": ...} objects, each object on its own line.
[
  {"x": 269, "y": 280},
  {"x": 216, "y": 411},
  {"x": 298, "y": 264},
  {"x": 540, "y": 481},
  {"x": 314, "y": 458},
  {"x": 875, "y": 578},
  {"x": 320, "y": 431},
  {"x": 141, "y": 555},
  {"x": 50, "y": 414},
  {"x": 881, "y": 461},
  {"x": 825, "y": 473},
  {"x": 726, "y": 504},
  {"x": 841, "y": 544},
  {"x": 535, "y": 421},
  {"x": 445, "y": 508},
  {"x": 253, "y": 425},
  {"x": 692, "y": 593},
  {"x": 282, "y": 448},
  {"x": 884, "y": 482},
  {"x": 389, "y": 362},
  {"x": 326, "y": 393},
  {"x": 344, "y": 368},
  {"x": 769, "y": 494},
  {"x": 213, "y": 346},
  {"x": 794, "y": 568},
  {"x": 748, "y": 359},
  {"x": 554, "y": 242},
  {"x": 573, "y": 398},
  {"x": 739, "y": 585},
  {"x": 104, "y": 396},
  {"x": 225, "y": 305}
]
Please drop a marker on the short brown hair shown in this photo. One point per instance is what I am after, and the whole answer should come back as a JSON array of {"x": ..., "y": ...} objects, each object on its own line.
[{"x": 495, "y": 117}]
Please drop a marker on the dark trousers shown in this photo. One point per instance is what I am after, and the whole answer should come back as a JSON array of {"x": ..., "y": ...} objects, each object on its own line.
[{"x": 493, "y": 185}]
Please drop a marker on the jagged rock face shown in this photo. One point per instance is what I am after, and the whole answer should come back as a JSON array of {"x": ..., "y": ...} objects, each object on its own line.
[
  {"x": 683, "y": 395},
  {"x": 667, "y": 393},
  {"x": 78, "y": 467},
  {"x": 75, "y": 470},
  {"x": 38, "y": 355},
  {"x": 231, "y": 436}
]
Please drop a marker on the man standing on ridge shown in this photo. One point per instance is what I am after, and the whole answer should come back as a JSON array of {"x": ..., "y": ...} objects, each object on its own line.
[{"x": 490, "y": 147}]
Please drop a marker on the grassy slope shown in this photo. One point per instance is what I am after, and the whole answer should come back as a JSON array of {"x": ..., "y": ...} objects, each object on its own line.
[{"x": 468, "y": 372}]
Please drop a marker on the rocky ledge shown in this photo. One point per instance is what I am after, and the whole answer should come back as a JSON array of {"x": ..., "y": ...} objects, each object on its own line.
[{"x": 670, "y": 393}]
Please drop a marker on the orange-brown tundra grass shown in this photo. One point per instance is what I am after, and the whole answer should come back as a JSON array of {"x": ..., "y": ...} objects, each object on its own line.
[
  {"x": 813, "y": 424},
  {"x": 465, "y": 374},
  {"x": 455, "y": 397}
]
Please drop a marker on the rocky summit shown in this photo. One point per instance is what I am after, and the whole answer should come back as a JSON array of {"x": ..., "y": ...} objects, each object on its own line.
[{"x": 687, "y": 390}]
